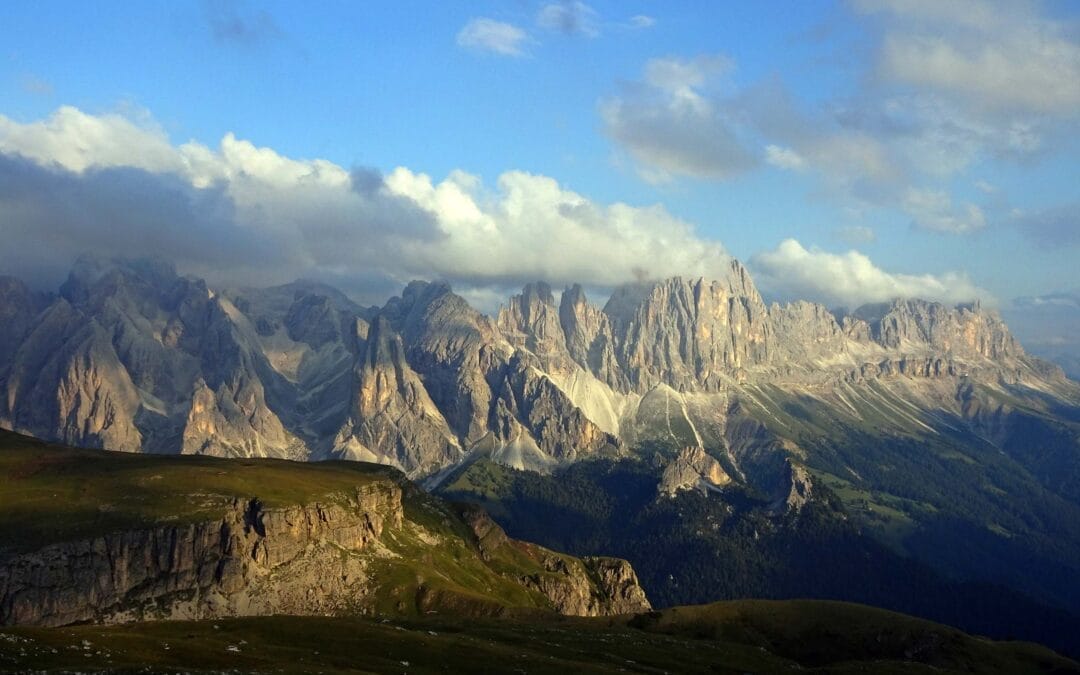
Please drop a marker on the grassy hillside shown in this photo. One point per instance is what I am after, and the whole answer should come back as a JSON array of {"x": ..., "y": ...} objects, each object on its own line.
[
  {"x": 733, "y": 637},
  {"x": 54, "y": 494},
  {"x": 994, "y": 497}
]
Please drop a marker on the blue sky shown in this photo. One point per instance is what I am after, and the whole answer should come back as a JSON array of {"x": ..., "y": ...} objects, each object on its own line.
[{"x": 847, "y": 151}]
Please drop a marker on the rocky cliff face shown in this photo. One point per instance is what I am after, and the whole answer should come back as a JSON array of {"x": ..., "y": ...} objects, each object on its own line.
[
  {"x": 393, "y": 419},
  {"x": 693, "y": 468},
  {"x": 589, "y": 340},
  {"x": 134, "y": 357},
  {"x": 18, "y": 307},
  {"x": 569, "y": 587},
  {"x": 590, "y": 586},
  {"x": 250, "y": 562},
  {"x": 326, "y": 557},
  {"x": 687, "y": 334},
  {"x": 531, "y": 321},
  {"x": 66, "y": 382}
]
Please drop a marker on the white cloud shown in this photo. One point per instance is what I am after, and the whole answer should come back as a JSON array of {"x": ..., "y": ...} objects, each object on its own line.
[
  {"x": 239, "y": 213},
  {"x": 530, "y": 227},
  {"x": 75, "y": 140},
  {"x": 996, "y": 55},
  {"x": 494, "y": 36},
  {"x": 981, "y": 77},
  {"x": 1065, "y": 300},
  {"x": 971, "y": 13},
  {"x": 948, "y": 86},
  {"x": 570, "y": 17},
  {"x": 683, "y": 77},
  {"x": 851, "y": 279},
  {"x": 933, "y": 210},
  {"x": 642, "y": 21},
  {"x": 784, "y": 158},
  {"x": 672, "y": 126}
]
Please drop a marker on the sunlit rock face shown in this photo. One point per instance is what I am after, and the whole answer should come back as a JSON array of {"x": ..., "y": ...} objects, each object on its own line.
[
  {"x": 689, "y": 333},
  {"x": 310, "y": 559},
  {"x": 693, "y": 468}
]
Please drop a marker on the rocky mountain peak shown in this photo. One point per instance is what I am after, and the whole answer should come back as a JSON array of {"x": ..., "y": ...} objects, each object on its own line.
[
  {"x": 14, "y": 294},
  {"x": 18, "y": 307},
  {"x": 589, "y": 340},
  {"x": 314, "y": 320},
  {"x": 966, "y": 330},
  {"x": 100, "y": 275},
  {"x": 432, "y": 312},
  {"x": 531, "y": 320},
  {"x": 689, "y": 333},
  {"x": 625, "y": 301},
  {"x": 421, "y": 293},
  {"x": 538, "y": 292},
  {"x": 739, "y": 280}
]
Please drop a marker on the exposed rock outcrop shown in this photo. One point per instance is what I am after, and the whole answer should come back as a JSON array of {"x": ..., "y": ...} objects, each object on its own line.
[
  {"x": 693, "y": 469},
  {"x": 570, "y": 586},
  {"x": 531, "y": 321},
  {"x": 589, "y": 340},
  {"x": 251, "y": 561},
  {"x": 688, "y": 334},
  {"x": 136, "y": 357},
  {"x": 18, "y": 307},
  {"x": 795, "y": 489},
  {"x": 591, "y": 586},
  {"x": 66, "y": 383},
  {"x": 393, "y": 420},
  {"x": 560, "y": 430},
  {"x": 338, "y": 555}
]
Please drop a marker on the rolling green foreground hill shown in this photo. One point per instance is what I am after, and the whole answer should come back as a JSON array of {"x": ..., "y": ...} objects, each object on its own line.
[
  {"x": 728, "y": 637},
  {"x": 87, "y": 535}
]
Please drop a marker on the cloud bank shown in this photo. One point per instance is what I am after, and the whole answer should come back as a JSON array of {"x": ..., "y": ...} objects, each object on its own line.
[
  {"x": 239, "y": 214},
  {"x": 999, "y": 56},
  {"x": 1049, "y": 326},
  {"x": 242, "y": 214},
  {"x": 851, "y": 279}
]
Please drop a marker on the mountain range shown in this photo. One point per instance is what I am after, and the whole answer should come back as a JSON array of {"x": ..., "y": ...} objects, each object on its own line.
[
  {"x": 921, "y": 429},
  {"x": 130, "y": 356}
]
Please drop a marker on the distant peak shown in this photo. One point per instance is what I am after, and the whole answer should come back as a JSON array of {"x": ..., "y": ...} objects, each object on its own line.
[
  {"x": 417, "y": 289},
  {"x": 574, "y": 295},
  {"x": 538, "y": 290},
  {"x": 89, "y": 269},
  {"x": 92, "y": 266}
]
